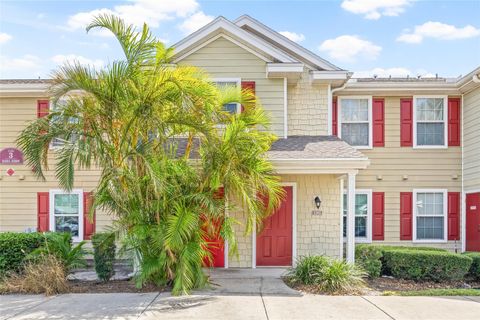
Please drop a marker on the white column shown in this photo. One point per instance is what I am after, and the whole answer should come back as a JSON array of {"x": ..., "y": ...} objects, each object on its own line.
[
  {"x": 351, "y": 218},
  {"x": 341, "y": 217}
]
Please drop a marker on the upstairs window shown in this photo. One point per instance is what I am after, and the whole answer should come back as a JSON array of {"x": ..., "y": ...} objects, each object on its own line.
[
  {"x": 221, "y": 83},
  {"x": 54, "y": 107},
  {"x": 430, "y": 128},
  {"x": 355, "y": 121}
]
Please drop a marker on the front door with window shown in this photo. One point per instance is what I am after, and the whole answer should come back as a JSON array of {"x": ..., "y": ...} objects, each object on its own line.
[
  {"x": 274, "y": 243},
  {"x": 473, "y": 222}
]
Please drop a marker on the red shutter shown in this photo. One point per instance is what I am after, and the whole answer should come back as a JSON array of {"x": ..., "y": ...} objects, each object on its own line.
[
  {"x": 334, "y": 117},
  {"x": 88, "y": 224},
  {"x": 248, "y": 85},
  {"x": 43, "y": 107},
  {"x": 378, "y": 215},
  {"x": 453, "y": 215},
  {"x": 378, "y": 115},
  {"x": 406, "y": 215},
  {"x": 43, "y": 210},
  {"x": 406, "y": 122},
  {"x": 453, "y": 121}
]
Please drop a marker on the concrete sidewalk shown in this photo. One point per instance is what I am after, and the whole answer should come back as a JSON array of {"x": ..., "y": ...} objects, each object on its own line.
[{"x": 216, "y": 306}]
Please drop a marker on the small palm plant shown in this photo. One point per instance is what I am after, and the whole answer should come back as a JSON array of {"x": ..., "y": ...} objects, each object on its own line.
[{"x": 141, "y": 120}]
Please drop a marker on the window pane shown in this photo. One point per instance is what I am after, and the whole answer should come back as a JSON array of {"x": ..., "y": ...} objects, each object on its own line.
[
  {"x": 430, "y": 204},
  {"x": 429, "y": 109},
  {"x": 67, "y": 224},
  {"x": 361, "y": 208},
  {"x": 361, "y": 227},
  {"x": 430, "y": 228},
  {"x": 430, "y": 134},
  {"x": 230, "y": 107},
  {"x": 355, "y": 134},
  {"x": 354, "y": 109},
  {"x": 344, "y": 226},
  {"x": 66, "y": 204}
]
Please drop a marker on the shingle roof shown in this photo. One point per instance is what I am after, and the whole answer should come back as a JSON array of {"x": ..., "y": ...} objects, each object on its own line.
[
  {"x": 313, "y": 147},
  {"x": 24, "y": 81},
  {"x": 294, "y": 147}
]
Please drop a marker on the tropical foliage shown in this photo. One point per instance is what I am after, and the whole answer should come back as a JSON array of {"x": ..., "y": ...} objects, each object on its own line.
[{"x": 165, "y": 146}]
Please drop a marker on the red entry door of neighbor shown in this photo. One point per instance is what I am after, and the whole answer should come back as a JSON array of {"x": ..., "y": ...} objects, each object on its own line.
[
  {"x": 274, "y": 243},
  {"x": 473, "y": 222}
]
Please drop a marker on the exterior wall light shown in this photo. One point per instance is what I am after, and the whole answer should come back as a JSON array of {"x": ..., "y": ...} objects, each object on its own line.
[{"x": 318, "y": 202}]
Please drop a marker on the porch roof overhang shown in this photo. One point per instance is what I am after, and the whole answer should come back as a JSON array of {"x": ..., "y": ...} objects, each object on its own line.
[{"x": 316, "y": 155}]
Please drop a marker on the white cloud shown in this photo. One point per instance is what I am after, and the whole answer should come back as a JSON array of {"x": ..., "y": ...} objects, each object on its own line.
[
  {"x": 61, "y": 59},
  {"x": 348, "y": 48},
  {"x": 375, "y": 9},
  {"x": 438, "y": 30},
  {"x": 296, "y": 37},
  {"x": 26, "y": 66},
  {"x": 394, "y": 72},
  {"x": 195, "y": 22},
  {"x": 138, "y": 12},
  {"x": 4, "y": 37}
]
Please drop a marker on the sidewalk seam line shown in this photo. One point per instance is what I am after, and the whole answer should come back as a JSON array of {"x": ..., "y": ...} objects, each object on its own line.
[
  {"x": 148, "y": 305},
  {"x": 373, "y": 304},
  {"x": 30, "y": 308},
  {"x": 263, "y": 301},
  {"x": 470, "y": 299}
]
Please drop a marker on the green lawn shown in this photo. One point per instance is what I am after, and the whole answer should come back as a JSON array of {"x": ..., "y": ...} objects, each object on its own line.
[{"x": 435, "y": 292}]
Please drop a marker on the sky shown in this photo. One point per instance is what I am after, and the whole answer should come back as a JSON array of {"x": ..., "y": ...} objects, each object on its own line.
[{"x": 381, "y": 37}]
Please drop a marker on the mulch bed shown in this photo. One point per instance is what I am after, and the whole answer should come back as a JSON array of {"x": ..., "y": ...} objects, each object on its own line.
[{"x": 115, "y": 286}]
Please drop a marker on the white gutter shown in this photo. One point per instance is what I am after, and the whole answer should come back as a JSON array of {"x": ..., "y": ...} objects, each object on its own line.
[{"x": 475, "y": 78}]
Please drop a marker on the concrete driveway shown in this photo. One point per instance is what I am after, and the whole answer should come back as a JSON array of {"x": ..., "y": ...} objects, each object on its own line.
[
  {"x": 148, "y": 306},
  {"x": 237, "y": 294}
]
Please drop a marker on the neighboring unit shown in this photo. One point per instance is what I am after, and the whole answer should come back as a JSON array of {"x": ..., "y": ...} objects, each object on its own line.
[{"x": 391, "y": 161}]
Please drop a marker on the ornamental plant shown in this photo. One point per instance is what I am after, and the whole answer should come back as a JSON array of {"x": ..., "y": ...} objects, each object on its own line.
[{"x": 152, "y": 127}]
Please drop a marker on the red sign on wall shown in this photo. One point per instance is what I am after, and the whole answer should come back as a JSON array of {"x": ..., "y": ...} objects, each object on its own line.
[{"x": 11, "y": 156}]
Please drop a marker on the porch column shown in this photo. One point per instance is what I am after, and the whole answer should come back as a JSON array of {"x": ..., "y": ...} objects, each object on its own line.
[{"x": 351, "y": 218}]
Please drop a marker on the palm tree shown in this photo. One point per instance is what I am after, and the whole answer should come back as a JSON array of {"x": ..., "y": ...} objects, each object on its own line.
[{"x": 153, "y": 130}]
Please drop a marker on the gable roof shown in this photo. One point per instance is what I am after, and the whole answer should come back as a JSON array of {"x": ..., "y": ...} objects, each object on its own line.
[
  {"x": 222, "y": 26},
  {"x": 289, "y": 46}
]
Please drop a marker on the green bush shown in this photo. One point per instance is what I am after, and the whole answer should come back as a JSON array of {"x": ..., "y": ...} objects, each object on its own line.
[
  {"x": 60, "y": 246},
  {"x": 104, "y": 254},
  {"x": 426, "y": 264},
  {"x": 14, "y": 246},
  {"x": 328, "y": 275},
  {"x": 474, "y": 271},
  {"x": 369, "y": 258}
]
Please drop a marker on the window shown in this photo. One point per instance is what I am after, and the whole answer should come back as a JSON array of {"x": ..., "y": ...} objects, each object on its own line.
[
  {"x": 430, "y": 215},
  {"x": 227, "y": 82},
  {"x": 430, "y": 114},
  {"x": 66, "y": 212},
  {"x": 363, "y": 213},
  {"x": 355, "y": 121},
  {"x": 59, "y": 142}
]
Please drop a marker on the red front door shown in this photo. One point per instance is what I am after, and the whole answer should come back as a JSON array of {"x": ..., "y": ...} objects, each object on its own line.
[
  {"x": 274, "y": 243},
  {"x": 473, "y": 222}
]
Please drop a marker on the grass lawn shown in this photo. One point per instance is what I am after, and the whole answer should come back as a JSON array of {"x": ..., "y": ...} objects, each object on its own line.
[{"x": 435, "y": 292}]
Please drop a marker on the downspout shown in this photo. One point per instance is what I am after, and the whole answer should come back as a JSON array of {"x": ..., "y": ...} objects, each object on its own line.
[
  {"x": 475, "y": 78},
  {"x": 463, "y": 202}
]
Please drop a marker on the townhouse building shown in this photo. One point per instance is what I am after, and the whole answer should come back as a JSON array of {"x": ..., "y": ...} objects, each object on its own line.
[{"x": 366, "y": 160}]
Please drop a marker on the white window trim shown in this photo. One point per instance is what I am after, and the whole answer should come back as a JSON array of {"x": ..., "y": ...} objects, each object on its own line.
[
  {"x": 368, "y": 238},
  {"x": 370, "y": 126},
  {"x": 445, "y": 122},
  {"x": 445, "y": 215},
  {"x": 238, "y": 81},
  {"x": 52, "y": 194}
]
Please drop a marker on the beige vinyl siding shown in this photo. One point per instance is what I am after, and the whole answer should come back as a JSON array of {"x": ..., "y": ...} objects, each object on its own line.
[
  {"x": 224, "y": 59},
  {"x": 471, "y": 140},
  {"x": 18, "y": 198},
  {"x": 423, "y": 168}
]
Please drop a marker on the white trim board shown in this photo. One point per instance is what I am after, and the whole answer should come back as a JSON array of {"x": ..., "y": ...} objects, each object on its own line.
[{"x": 294, "y": 227}]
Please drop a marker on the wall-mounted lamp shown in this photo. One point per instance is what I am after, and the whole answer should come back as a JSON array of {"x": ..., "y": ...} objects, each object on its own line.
[{"x": 318, "y": 202}]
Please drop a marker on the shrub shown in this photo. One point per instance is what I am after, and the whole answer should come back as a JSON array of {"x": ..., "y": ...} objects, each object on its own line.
[
  {"x": 60, "y": 246},
  {"x": 45, "y": 275},
  {"x": 104, "y": 254},
  {"x": 328, "y": 275},
  {"x": 474, "y": 271},
  {"x": 14, "y": 246},
  {"x": 369, "y": 258},
  {"x": 426, "y": 264}
]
